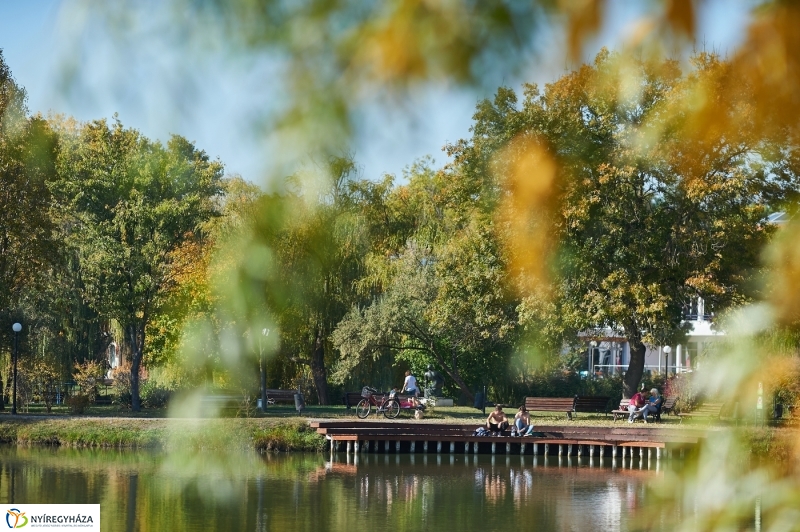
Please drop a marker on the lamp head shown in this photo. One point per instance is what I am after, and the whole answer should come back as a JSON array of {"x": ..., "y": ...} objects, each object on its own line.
[
  {"x": 667, "y": 349},
  {"x": 17, "y": 327}
]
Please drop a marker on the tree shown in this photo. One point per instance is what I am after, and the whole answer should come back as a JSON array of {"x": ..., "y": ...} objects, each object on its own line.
[
  {"x": 313, "y": 245},
  {"x": 445, "y": 295},
  {"x": 28, "y": 149},
  {"x": 134, "y": 204},
  {"x": 616, "y": 212}
]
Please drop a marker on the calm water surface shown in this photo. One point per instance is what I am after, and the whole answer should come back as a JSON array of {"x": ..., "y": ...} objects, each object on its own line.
[{"x": 244, "y": 491}]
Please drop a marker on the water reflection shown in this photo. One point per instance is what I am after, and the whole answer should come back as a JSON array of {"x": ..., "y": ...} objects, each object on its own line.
[{"x": 244, "y": 491}]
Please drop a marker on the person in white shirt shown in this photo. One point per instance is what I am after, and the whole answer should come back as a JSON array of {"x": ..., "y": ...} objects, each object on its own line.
[{"x": 410, "y": 385}]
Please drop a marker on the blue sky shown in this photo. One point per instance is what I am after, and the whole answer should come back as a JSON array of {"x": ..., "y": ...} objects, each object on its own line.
[{"x": 219, "y": 102}]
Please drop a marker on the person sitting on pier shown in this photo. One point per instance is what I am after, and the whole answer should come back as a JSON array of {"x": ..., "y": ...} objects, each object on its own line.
[
  {"x": 653, "y": 406},
  {"x": 522, "y": 422},
  {"x": 497, "y": 420},
  {"x": 634, "y": 407}
]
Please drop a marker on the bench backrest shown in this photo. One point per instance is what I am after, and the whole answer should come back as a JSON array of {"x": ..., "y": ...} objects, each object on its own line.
[
  {"x": 591, "y": 403},
  {"x": 550, "y": 404},
  {"x": 669, "y": 404},
  {"x": 624, "y": 404},
  {"x": 281, "y": 395},
  {"x": 351, "y": 398}
]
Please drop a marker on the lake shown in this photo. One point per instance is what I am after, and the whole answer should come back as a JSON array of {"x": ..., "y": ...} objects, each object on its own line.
[{"x": 245, "y": 491}]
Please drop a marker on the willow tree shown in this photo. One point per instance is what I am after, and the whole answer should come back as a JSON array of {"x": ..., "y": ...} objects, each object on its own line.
[
  {"x": 623, "y": 217},
  {"x": 134, "y": 204},
  {"x": 28, "y": 149}
]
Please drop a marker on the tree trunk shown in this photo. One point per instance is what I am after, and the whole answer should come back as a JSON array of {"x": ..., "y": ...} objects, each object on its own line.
[
  {"x": 453, "y": 373},
  {"x": 318, "y": 371},
  {"x": 633, "y": 376},
  {"x": 136, "y": 363},
  {"x": 2, "y": 401}
]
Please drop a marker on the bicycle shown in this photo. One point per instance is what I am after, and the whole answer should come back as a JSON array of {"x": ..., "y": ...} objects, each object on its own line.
[{"x": 388, "y": 406}]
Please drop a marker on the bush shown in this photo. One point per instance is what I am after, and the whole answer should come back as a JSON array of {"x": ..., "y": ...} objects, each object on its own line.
[
  {"x": 78, "y": 403},
  {"x": 153, "y": 396},
  {"x": 122, "y": 385},
  {"x": 88, "y": 377}
]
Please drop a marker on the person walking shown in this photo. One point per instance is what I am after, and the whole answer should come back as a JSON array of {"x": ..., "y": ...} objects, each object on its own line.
[{"x": 410, "y": 385}]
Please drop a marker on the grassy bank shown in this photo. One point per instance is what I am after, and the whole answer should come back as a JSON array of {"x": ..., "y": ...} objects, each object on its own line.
[{"x": 259, "y": 434}]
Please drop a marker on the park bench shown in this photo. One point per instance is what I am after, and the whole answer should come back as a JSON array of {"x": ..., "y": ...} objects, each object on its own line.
[
  {"x": 591, "y": 404},
  {"x": 551, "y": 404},
  {"x": 281, "y": 396},
  {"x": 622, "y": 410},
  {"x": 351, "y": 399},
  {"x": 705, "y": 410}
]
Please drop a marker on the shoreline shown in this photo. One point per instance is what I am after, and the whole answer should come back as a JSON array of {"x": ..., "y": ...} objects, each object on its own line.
[
  {"x": 259, "y": 434},
  {"x": 271, "y": 434}
]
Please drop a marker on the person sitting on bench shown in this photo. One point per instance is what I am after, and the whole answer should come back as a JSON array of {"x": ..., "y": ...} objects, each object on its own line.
[
  {"x": 653, "y": 406},
  {"x": 497, "y": 420},
  {"x": 634, "y": 407}
]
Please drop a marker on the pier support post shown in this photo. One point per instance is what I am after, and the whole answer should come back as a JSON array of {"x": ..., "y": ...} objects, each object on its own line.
[
  {"x": 535, "y": 449},
  {"x": 466, "y": 447},
  {"x": 425, "y": 447},
  {"x": 452, "y": 448},
  {"x": 580, "y": 450},
  {"x": 475, "y": 447},
  {"x": 349, "y": 446},
  {"x": 546, "y": 449},
  {"x": 508, "y": 448},
  {"x": 522, "y": 448},
  {"x": 356, "y": 447},
  {"x": 438, "y": 446},
  {"x": 494, "y": 447},
  {"x": 560, "y": 449},
  {"x": 397, "y": 446},
  {"x": 569, "y": 450},
  {"x": 614, "y": 451},
  {"x": 413, "y": 446}
]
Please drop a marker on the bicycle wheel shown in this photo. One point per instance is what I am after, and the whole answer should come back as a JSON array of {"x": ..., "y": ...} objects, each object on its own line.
[
  {"x": 362, "y": 408},
  {"x": 391, "y": 409}
]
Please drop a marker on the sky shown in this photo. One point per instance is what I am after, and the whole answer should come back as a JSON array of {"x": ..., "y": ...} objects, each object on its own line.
[{"x": 220, "y": 102}]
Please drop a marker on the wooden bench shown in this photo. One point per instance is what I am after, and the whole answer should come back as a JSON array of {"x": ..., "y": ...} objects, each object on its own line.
[
  {"x": 668, "y": 407},
  {"x": 622, "y": 410},
  {"x": 281, "y": 396},
  {"x": 591, "y": 404},
  {"x": 351, "y": 399},
  {"x": 551, "y": 404},
  {"x": 707, "y": 410}
]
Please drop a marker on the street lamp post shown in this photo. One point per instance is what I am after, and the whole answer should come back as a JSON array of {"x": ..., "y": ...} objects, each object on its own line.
[
  {"x": 17, "y": 327},
  {"x": 667, "y": 351},
  {"x": 263, "y": 363}
]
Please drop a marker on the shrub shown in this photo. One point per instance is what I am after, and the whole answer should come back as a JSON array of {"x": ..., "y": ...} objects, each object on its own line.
[
  {"x": 122, "y": 385},
  {"x": 77, "y": 403},
  {"x": 88, "y": 377},
  {"x": 153, "y": 396}
]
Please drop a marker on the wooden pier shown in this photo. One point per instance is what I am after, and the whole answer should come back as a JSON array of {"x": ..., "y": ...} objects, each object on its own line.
[{"x": 415, "y": 437}]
